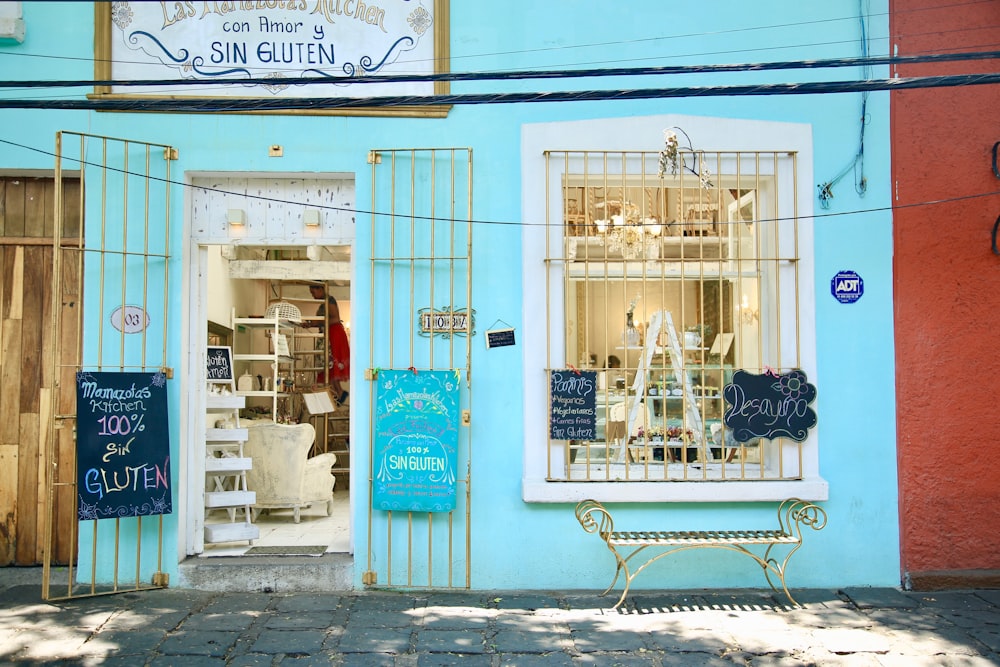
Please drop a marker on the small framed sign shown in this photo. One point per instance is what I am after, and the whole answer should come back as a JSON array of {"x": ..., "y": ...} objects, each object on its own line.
[
  {"x": 500, "y": 338},
  {"x": 219, "y": 364}
]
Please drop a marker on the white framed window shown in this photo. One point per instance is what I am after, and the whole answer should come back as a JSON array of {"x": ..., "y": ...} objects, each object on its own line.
[{"x": 664, "y": 273}]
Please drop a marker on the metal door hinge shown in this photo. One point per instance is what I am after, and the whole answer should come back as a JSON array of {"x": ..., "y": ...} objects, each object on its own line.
[
  {"x": 369, "y": 578},
  {"x": 374, "y": 157}
]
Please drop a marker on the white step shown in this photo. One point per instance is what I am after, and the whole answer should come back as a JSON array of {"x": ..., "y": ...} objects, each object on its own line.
[
  {"x": 216, "y": 499},
  {"x": 230, "y": 464},
  {"x": 231, "y": 532},
  {"x": 225, "y": 435}
]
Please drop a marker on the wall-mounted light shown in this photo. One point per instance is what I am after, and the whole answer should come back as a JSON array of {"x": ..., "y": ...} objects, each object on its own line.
[
  {"x": 748, "y": 315},
  {"x": 310, "y": 218},
  {"x": 236, "y": 217}
]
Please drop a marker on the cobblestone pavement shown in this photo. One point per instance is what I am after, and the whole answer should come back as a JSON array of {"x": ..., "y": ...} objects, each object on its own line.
[{"x": 850, "y": 627}]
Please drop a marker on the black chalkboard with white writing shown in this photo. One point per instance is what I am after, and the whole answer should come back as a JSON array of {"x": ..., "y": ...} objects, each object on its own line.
[
  {"x": 220, "y": 364},
  {"x": 769, "y": 405},
  {"x": 123, "y": 445},
  {"x": 573, "y": 409}
]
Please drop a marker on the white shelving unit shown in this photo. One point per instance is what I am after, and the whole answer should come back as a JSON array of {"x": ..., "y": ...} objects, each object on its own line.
[
  {"x": 261, "y": 357},
  {"x": 226, "y": 468}
]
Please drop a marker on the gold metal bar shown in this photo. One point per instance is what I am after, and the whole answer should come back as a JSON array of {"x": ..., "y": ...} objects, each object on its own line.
[
  {"x": 138, "y": 551},
  {"x": 125, "y": 212}
]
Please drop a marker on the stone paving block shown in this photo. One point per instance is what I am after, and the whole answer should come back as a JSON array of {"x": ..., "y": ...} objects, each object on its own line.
[
  {"x": 375, "y": 640},
  {"x": 184, "y": 661},
  {"x": 198, "y": 642},
  {"x": 453, "y": 660},
  {"x": 883, "y": 598},
  {"x": 524, "y": 602},
  {"x": 944, "y": 640},
  {"x": 234, "y": 620},
  {"x": 238, "y": 602},
  {"x": 137, "y": 619},
  {"x": 991, "y": 596},
  {"x": 553, "y": 659},
  {"x": 308, "y": 602},
  {"x": 695, "y": 658},
  {"x": 989, "y": 637},
  {"x": 541, "y": 640},
  {"x": 380, "y": 618},
  {"x": 593, "y": 642},
  {"x": 458, "y": 599},
  {"x": 441, "y": 618},
  {"x": 952, "y": 600},
  {"x": 318, "y": 660},
  {"x": 967, "y": 618},
  {"x": 123, "y": 642},
  {"x": 290, "y": 642},
  {"x": 46, "y": 645},
  {"x": 449, "y": 641},
  {"x": 849, "y": 640},
  {"x": 373, "y": 660},
  {"x": 251, "y": 660},
  {"x": 684, "y": 639},
  {"x": 387, "y": 601},
  {"x": 777, "y": 642},
  {"x": 299, "y": 620}
]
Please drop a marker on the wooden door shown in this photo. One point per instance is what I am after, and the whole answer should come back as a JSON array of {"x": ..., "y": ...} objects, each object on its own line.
[{"x": 27, "y": 215}]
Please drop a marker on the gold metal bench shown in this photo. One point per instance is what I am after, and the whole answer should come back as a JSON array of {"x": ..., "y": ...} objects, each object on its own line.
[{"x": 793, "y": 515}]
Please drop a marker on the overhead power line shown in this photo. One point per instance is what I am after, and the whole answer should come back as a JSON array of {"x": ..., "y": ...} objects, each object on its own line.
[
  {"x": 603, "y": 72},
  {"x": 326, "y": 103}
]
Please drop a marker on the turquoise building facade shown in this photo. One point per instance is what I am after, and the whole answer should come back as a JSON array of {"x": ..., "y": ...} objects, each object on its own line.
[{"x": 519, "y": 491}]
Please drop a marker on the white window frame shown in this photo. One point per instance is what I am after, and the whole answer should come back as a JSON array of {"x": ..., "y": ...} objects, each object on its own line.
[{"x": 645, "y": 134}]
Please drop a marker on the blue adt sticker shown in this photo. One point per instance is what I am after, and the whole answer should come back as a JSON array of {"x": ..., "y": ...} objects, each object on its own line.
[{"x": 847, "y": 287}]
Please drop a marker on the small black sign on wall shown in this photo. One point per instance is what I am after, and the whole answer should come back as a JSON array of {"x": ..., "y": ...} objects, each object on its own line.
[
  {"x": 573, "y": 408},
  {"x": 769, "y": 405},
  {"x": 500, "y": 338}
]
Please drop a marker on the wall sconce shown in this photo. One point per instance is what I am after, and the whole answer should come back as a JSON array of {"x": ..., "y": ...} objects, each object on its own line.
[
  {"x": 311, "y": 218},
  {"x": 747, "y": 314},
  {"x": 236, "y": 217}
]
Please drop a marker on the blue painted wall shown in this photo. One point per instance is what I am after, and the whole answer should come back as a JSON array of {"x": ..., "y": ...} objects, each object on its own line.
[{"x": 515, "y": 544}]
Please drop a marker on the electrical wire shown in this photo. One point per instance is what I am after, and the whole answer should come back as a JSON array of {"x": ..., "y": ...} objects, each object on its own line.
[{"x": 500, "y": 223}]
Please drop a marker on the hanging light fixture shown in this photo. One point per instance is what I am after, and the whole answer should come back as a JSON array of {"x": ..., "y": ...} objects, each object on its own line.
[{"x": 622, "y": 229}]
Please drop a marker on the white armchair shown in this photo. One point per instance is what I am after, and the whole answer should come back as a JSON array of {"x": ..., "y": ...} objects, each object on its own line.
[{"x": 282, "y": 475}]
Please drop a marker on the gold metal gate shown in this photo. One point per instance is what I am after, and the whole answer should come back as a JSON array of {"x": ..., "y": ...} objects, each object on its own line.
[
  {"x": 120, "y": 261},
  {"x": 421, "y": 262}
]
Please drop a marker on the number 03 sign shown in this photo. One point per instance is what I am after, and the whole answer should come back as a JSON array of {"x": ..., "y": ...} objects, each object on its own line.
[{"x": 130, "y": 319}]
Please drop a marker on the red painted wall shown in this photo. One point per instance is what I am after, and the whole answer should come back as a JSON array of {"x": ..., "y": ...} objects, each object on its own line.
[{"x": 947, "y": 297}]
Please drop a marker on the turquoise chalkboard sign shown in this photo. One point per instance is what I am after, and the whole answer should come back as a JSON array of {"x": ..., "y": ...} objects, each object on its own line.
[{"x": 416, "y": 441}]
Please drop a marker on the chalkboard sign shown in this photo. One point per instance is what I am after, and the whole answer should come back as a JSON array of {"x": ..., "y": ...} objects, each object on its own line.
[
  {"x": 573, "y": 411},
  {"x": 220, "y": 364},
  {"x": 769, "y": 405},
  {"x": 123, "y": 448},
  {"x": 416, "y": 441},
  {"x": 499, "y": 338}
]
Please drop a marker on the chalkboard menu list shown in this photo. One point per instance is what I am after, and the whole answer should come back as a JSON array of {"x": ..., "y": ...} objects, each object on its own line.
[
  {"x": 123, "y": 447},
  {"x": 573, "y": 410},
  {"x": 769, "y": 405}
]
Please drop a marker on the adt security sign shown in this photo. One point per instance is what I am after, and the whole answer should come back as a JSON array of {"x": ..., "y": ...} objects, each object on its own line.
[{"x": 847, "y": 287}]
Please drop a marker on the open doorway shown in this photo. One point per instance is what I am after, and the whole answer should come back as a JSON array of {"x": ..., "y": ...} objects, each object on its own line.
[
  {"x": 285, "y": 376},
  {"x": 271, "y": 284}
]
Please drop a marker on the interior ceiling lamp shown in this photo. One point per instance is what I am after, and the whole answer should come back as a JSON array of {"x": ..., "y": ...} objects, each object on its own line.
[{"x": 623, "y": 230}]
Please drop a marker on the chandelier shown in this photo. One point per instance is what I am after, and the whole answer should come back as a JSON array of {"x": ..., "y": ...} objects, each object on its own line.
[{"x": 622, "y": 229}]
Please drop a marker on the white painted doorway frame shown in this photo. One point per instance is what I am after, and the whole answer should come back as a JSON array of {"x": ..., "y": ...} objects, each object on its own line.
[{"x": 194, "y": 340}]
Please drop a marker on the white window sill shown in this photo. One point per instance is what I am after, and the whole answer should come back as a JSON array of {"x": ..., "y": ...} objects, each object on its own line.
[{"x": 542, "y": 491}]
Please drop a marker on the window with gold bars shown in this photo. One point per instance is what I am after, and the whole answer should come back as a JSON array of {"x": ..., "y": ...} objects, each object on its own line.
[{"x": 673, "y": 274}]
